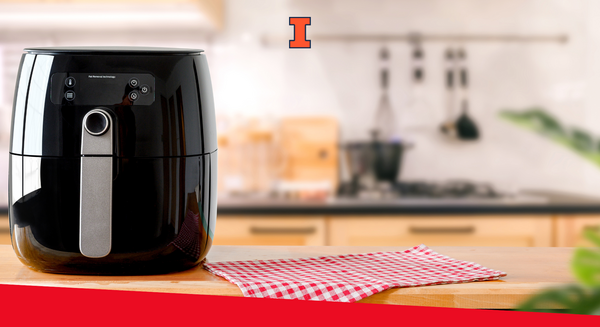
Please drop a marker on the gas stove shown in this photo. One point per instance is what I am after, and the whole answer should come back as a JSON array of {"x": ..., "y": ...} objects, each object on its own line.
[{"x": 455, "y": 189}]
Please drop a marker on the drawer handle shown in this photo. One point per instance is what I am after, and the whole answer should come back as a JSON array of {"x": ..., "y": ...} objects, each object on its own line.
[
  {"x": 283, "y": 230},
  {"x": 442, "y": 230}
]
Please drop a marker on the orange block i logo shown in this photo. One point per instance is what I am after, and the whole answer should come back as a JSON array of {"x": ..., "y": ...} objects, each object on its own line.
[{"x": 299, "y": 41}]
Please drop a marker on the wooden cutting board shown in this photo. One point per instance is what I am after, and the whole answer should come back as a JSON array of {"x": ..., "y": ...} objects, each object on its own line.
[{"x": 310, "y": 149}]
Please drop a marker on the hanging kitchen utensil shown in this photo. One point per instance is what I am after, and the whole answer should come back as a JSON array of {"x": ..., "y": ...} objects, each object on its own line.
[
  {"x": 377, "y": 161},
  {"x": 418, "y": 115},
  {"x": 448, "y": 126},
  {"x": 385, "y": 149},
  {"x": 385, "y": 120},
  {"x": 466, "y": 128}
]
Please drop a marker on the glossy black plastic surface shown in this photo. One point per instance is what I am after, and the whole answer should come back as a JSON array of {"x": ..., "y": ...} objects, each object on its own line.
[
  {"x": 164, "y": 211},
  {"x": 179, "y": 122},
  {"x": 164, "y": 157},
  {"x": 94, "y": 89}
]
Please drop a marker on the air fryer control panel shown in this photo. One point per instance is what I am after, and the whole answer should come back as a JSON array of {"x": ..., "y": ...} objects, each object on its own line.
[{"x": 106, "y": 89}]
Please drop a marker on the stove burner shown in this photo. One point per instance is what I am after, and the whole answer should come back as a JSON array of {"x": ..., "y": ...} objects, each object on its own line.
[{"x": 421, "y": 189}]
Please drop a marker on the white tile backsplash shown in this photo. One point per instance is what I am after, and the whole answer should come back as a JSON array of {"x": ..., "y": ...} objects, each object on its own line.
[{"x": 341, "y": 79}]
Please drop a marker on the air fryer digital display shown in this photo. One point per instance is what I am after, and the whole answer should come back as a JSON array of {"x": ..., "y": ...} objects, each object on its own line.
[{"x": 106, "y": 89}]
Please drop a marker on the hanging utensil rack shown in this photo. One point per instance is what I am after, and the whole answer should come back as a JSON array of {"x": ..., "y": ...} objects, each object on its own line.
[{"x": 271, "y": 40}]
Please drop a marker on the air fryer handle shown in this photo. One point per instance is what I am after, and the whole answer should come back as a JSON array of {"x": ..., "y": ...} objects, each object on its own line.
[{"x": 95, "y": 201}]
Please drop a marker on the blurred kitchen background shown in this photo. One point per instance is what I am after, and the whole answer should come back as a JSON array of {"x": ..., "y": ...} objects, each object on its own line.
[{"x": 444, "y": 122}]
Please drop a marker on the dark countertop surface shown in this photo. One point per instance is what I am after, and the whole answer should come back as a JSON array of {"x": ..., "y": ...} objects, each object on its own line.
[{"x": 527, "y": 202}]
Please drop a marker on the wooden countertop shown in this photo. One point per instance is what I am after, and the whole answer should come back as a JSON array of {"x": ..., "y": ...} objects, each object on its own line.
[{"x": 529, "y": 270}]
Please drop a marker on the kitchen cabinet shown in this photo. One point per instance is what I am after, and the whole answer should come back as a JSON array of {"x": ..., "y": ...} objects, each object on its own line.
[
  {"x": 4, "y": 230},
  {"x": 569, "y": 229},
  {"x": 290, "y": 230},
  {"x": 513, "y": 230},
  {"x": 509, "y": 230},
  {"x": 188, "y": 15},
  {"x": 397, "y": 230}
]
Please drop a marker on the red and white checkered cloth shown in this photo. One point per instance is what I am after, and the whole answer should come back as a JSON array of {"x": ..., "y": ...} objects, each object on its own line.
[{"x": 349, "y": 277}]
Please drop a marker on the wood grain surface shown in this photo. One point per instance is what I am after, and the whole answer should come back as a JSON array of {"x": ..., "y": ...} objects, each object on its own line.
[{"x": 529, "y": 271}]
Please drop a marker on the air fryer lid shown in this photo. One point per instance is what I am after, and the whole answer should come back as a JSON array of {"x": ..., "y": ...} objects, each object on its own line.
[
  {"x": 113, "y": 50},
  {"x": 160, "y": 100}
]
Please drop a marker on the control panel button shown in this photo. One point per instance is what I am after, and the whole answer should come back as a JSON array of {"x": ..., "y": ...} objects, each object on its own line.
[
  {"x": 70, "y": 95},
  {"x": 70, "y": 81},
  {"x": 96, "y": 123},
  {"x": 133, "y": 95},
  {"x": 134, "y": 82},
  {"x": 102, "y": 89}
]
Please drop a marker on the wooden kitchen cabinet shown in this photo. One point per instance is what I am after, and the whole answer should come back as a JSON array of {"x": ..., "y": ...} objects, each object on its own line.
[
  {"x": 4, "y": 230},
  {"x": 252, "y": 230},
  {"x": 569, "y": 229},
  {"x": 407, "y": 231},
  {"x": 398, "y": 230}
]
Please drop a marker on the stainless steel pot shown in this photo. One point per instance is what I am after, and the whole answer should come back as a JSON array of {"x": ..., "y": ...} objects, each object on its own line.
[{"x": 373, "y": 162}]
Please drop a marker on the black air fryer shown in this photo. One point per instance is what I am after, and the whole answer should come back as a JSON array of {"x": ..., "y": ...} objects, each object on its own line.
[{"x": 113, "y": 160}]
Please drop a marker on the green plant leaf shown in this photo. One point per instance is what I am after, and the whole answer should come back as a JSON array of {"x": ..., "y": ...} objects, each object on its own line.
[
  {"x": 586, "y": 261},
  {"x": 542, "y": 123},
  {"x": 568, "y": 299},
  {"x": 586, "y": 266},
  {"x": 593, "y": 235},
  {"x": 581, "y": 299},
  {"x": 582, "y": 140}
]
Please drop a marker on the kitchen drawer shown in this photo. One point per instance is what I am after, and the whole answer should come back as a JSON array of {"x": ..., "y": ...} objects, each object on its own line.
[
  {"x": 242, "y": 230},
  {"x": 4, "y": 230},
  {"x": 441, "y": 231},
  {"x": 569, "y": 229}
]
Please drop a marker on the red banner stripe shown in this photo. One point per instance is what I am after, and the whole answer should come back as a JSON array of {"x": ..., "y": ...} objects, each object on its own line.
[{"x": 53, "y": 306}]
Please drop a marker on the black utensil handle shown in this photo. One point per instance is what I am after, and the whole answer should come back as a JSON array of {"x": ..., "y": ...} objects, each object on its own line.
[
  {"x": 418, "y": 63},
  {"x": 463, "y": 77},
  {"x": 385, "y": 75},
  {"x": 449, "y": 79},
  {"x": 462, "y": 60}
]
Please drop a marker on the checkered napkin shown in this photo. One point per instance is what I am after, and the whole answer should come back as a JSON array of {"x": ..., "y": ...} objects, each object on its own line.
[{"x": 349, "y": 277}]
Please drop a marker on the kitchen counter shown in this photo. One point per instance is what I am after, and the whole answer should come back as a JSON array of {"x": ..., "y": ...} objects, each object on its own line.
[
  {"x": 529, "y": 271},
  {"x": 531, "y": 202}
]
